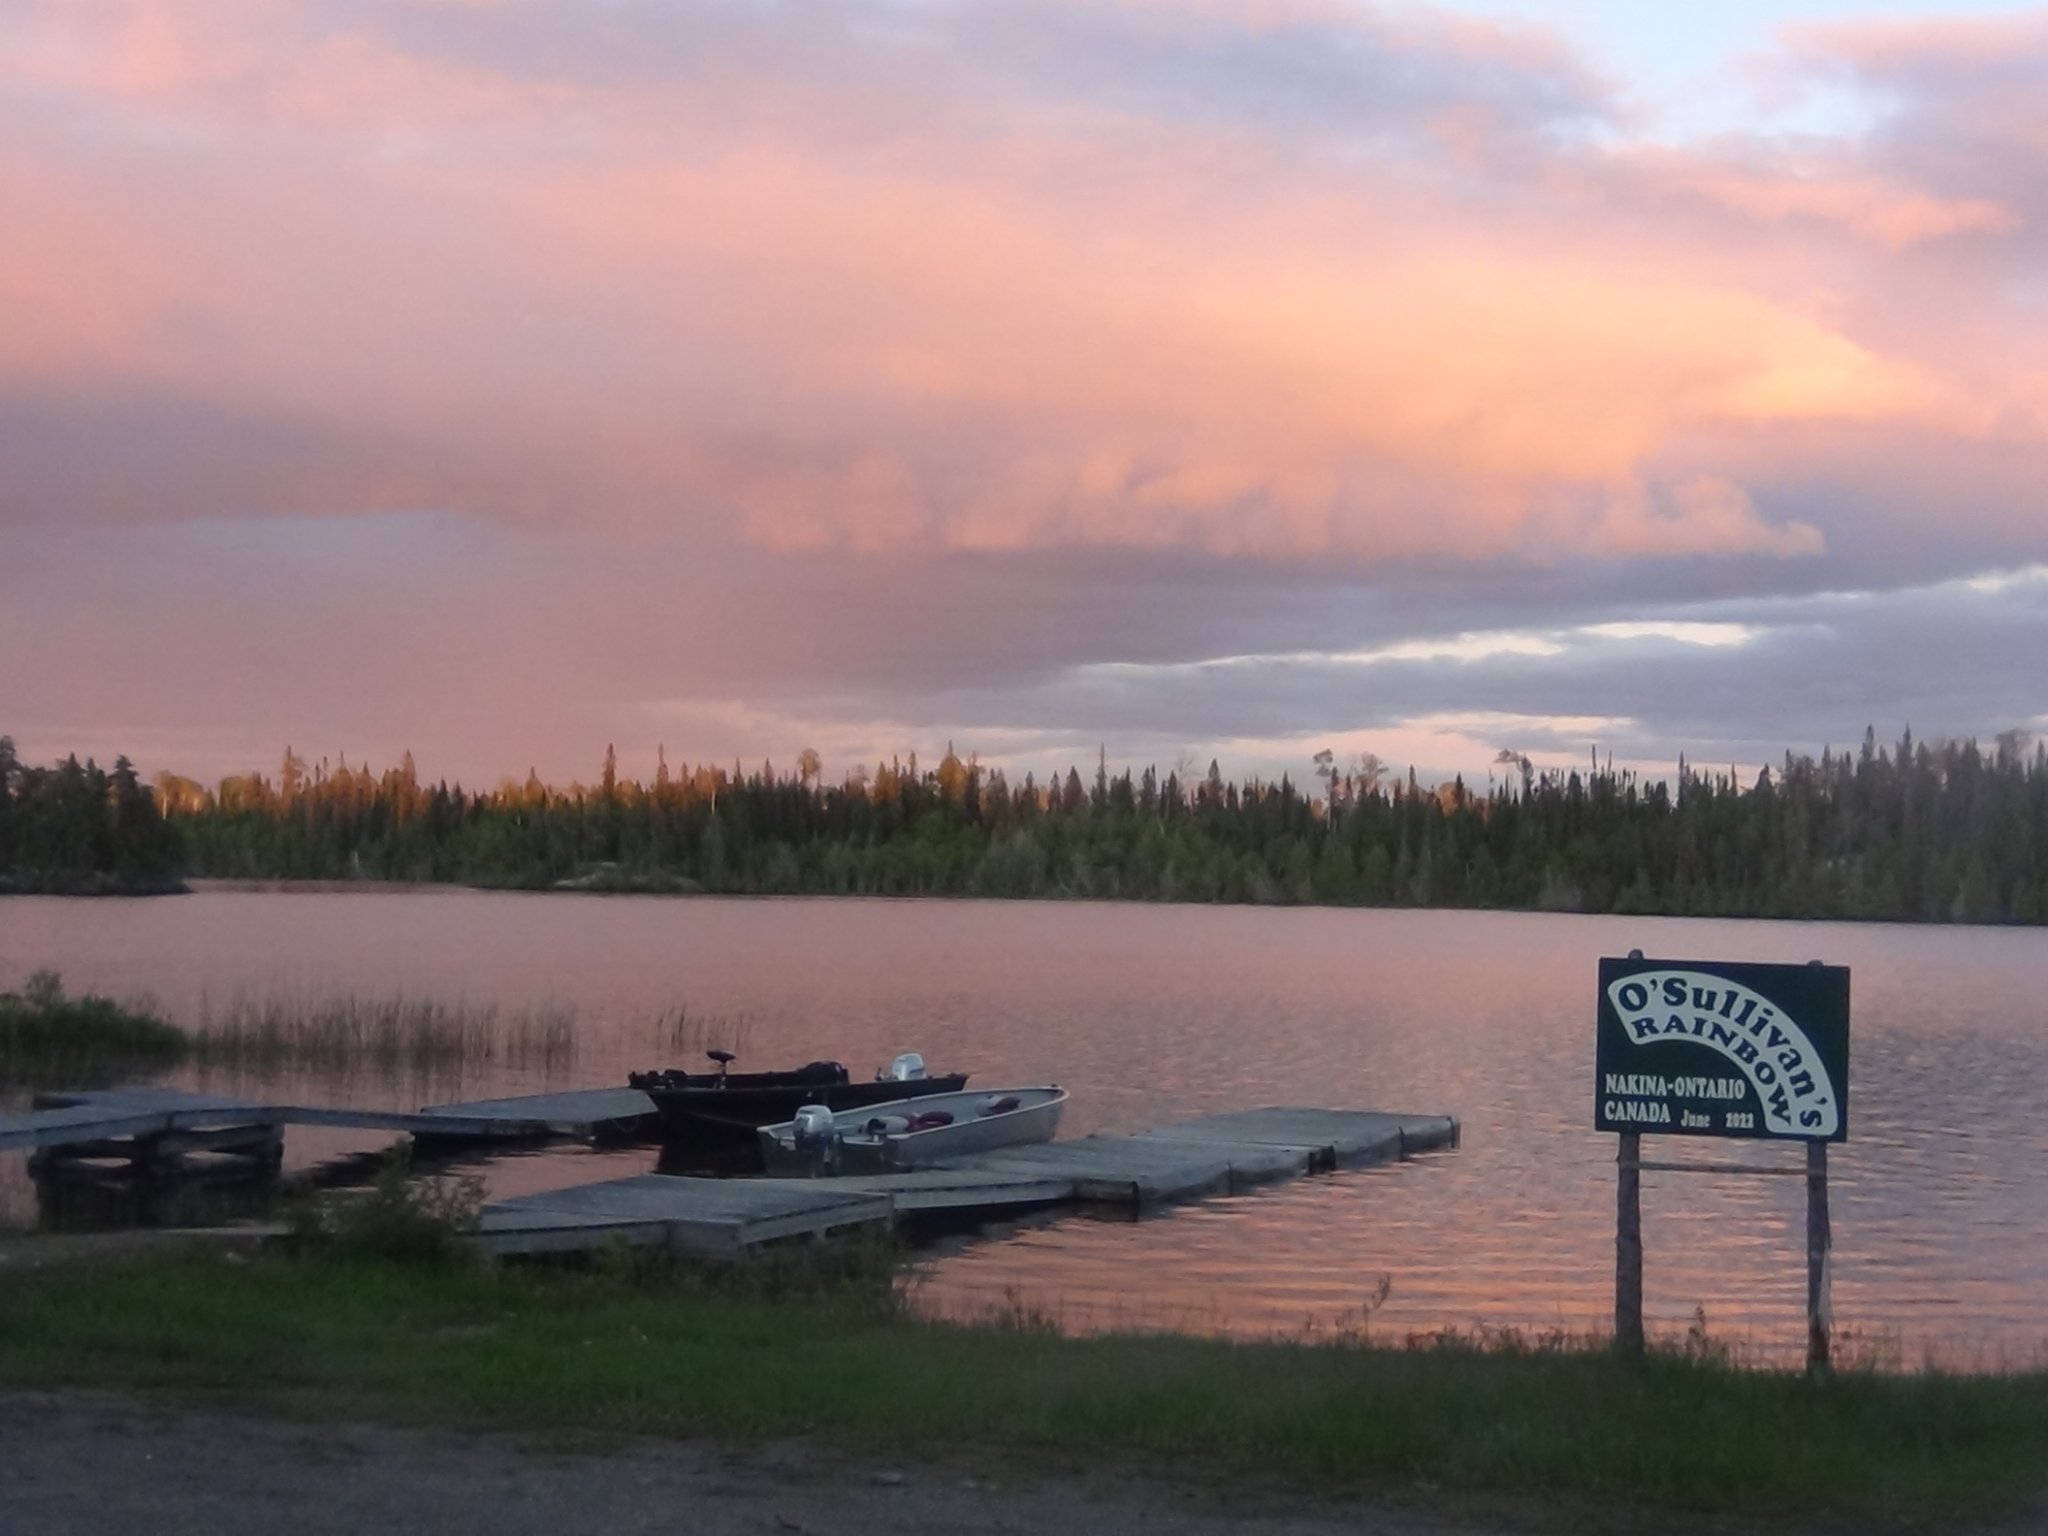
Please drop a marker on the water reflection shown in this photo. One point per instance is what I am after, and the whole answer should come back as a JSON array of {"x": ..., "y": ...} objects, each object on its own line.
[
  {"x": 80, "y": 1196},
  {"x": 1151, "y": 1014}
]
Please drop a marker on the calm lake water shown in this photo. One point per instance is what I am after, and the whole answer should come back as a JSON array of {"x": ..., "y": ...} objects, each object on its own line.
[{"x": 1151, "y": 1014}]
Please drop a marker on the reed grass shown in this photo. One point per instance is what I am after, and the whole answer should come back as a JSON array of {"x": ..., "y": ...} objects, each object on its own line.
[
  {"x": 679, "y": 1032},
  {"x": 390, "y": 1036},
  {"x": 400, "y": 1036},
  {"x": 49, "y": 1038}
]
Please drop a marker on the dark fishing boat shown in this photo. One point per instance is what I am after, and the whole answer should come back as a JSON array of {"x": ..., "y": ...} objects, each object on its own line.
[{"x": 722, "y": 1107}]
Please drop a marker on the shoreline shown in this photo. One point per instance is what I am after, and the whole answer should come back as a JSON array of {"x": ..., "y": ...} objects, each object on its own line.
[
  {"x": 95, "y": 888},
  {"x": 199, "y": 885}
]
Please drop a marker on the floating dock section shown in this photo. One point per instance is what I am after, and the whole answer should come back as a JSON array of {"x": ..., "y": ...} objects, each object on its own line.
[
  {"x": 723, "y": 1217},
  {"x": 704, "y": 1218},
  {"x": 154, "y": 1126},
  {"x": 707, "y": 1217}
]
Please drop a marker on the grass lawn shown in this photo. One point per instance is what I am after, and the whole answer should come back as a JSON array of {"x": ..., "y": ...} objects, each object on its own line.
[{"x": 617, "y": 1349}]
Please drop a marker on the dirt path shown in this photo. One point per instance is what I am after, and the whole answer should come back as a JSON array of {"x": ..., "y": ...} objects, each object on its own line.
[{"x": 77, "y": 1464}]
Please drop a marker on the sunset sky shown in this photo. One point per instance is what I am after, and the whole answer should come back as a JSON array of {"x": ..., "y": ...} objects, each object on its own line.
[{"x": 1218, "y": 378}]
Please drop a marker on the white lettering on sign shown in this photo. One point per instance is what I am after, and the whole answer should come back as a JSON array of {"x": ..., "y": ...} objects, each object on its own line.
[
  {"x": 1640, "y": 1111},
  {"x": 1772, "y": 1052},
  {"x": 1651, "y": 1085}
]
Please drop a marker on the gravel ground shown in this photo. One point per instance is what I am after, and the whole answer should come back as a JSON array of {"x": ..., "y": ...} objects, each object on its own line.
[{"x": 75, "y": 1464}]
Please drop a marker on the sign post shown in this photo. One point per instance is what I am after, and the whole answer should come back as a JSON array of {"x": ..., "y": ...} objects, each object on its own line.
[
  {"x": 1628, "y": 1242},
  {"x": 1819, "y": 1308},
  {"x": 1724, "y": 1049}
]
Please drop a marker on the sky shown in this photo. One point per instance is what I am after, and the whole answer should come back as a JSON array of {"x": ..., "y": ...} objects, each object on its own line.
[{"x": 500, "y": 380}]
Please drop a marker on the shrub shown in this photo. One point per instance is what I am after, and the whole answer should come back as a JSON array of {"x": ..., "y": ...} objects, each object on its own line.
[
  {"x": 424, "y": 1220},
  {"x": 48, "y": 1036}
]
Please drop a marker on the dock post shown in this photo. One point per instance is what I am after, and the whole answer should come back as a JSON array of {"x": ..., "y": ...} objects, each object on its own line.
[
  {"x": 1628, "y": 1243},
  {"x": 1819, "y": 1239}
]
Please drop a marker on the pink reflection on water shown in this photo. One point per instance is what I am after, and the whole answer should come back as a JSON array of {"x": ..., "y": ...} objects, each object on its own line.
[{"x": 1153, "y": 1014}]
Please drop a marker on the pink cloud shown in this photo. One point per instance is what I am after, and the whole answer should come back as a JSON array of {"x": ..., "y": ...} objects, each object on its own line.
[
  {"x": 1702, "y": 515},
  {"x": 1973, "y": 45},
  {"x": 1941, "y": 84},
  {"x": 922, "y": 303},
  {"x": 1863, "y": 204}
]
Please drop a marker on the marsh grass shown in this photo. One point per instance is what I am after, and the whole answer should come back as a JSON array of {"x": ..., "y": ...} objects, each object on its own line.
[
  {"x": 394, "y": 1036},
  {"x": 421, "y": 1039},
  {"x": 49, "y": 1037},
  {"x": 632, "y": 1345},
  {"x": 681, "y": 1033}
]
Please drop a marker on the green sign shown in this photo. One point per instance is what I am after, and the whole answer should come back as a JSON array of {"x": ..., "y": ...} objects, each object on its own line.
[{"x": 1722, "y": 1048}]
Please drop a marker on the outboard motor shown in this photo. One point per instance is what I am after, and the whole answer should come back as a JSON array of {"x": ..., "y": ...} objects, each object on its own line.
[
  {"x": 816, "y": 1136},
  {"x": 907, "y": 1068}
]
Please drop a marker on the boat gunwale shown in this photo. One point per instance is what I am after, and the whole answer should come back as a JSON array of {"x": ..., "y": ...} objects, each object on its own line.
[
  {"x": 864, "y": 1139},
  {"x": 906, "y": 1149}
]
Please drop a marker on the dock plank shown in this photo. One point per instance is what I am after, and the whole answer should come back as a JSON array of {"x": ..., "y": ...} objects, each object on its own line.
[
  {"x": 507, "y": 1234},
  {"x": 166, "y": 1100},
  {"x": 584, "y": 1106},
  {"x": 69, "y": 1125},
  {"x": 1346, "y": 1137},
  {"x": 1256, "y": 1162},
  {"x": 77, "y": 1118},
  {"x": 715, "y": 1217},
  {"x": 1129, "y": 1170},
  {"x": 953, "y": 1189},
  {"x": 413, "y": 1122},
  {"x": 83, "y": 1119}
]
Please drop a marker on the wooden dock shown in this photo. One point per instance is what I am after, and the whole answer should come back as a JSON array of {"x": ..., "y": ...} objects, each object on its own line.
[
  {"x": 704, "y": 1218},
  {"x": 710, "y": 1217},
  {"x": 151, "y": 1121},
  {"x": 720, "y": 1217}
]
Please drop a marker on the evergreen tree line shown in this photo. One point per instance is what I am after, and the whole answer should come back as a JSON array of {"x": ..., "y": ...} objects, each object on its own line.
[
  {"x": 1921, "y": 832},
  {"x": 80, "y": 829}
]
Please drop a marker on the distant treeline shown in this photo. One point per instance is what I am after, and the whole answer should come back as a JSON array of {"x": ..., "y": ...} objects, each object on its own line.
[
  {"x": 77, "y": 829},
  {"x": 1936, "y": 833}
]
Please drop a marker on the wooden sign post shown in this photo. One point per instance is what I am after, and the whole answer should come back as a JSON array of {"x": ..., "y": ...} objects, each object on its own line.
[
  {"x": 1721, "y": 1048},
  {"x": 1628, "y": 1242},
  {"x": 1820, "y": 1320}
]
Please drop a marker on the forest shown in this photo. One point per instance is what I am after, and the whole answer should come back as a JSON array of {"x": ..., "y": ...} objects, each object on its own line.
[
  {"x": 1919, "y": 832},
  {"x": 76, "y": 829}
]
